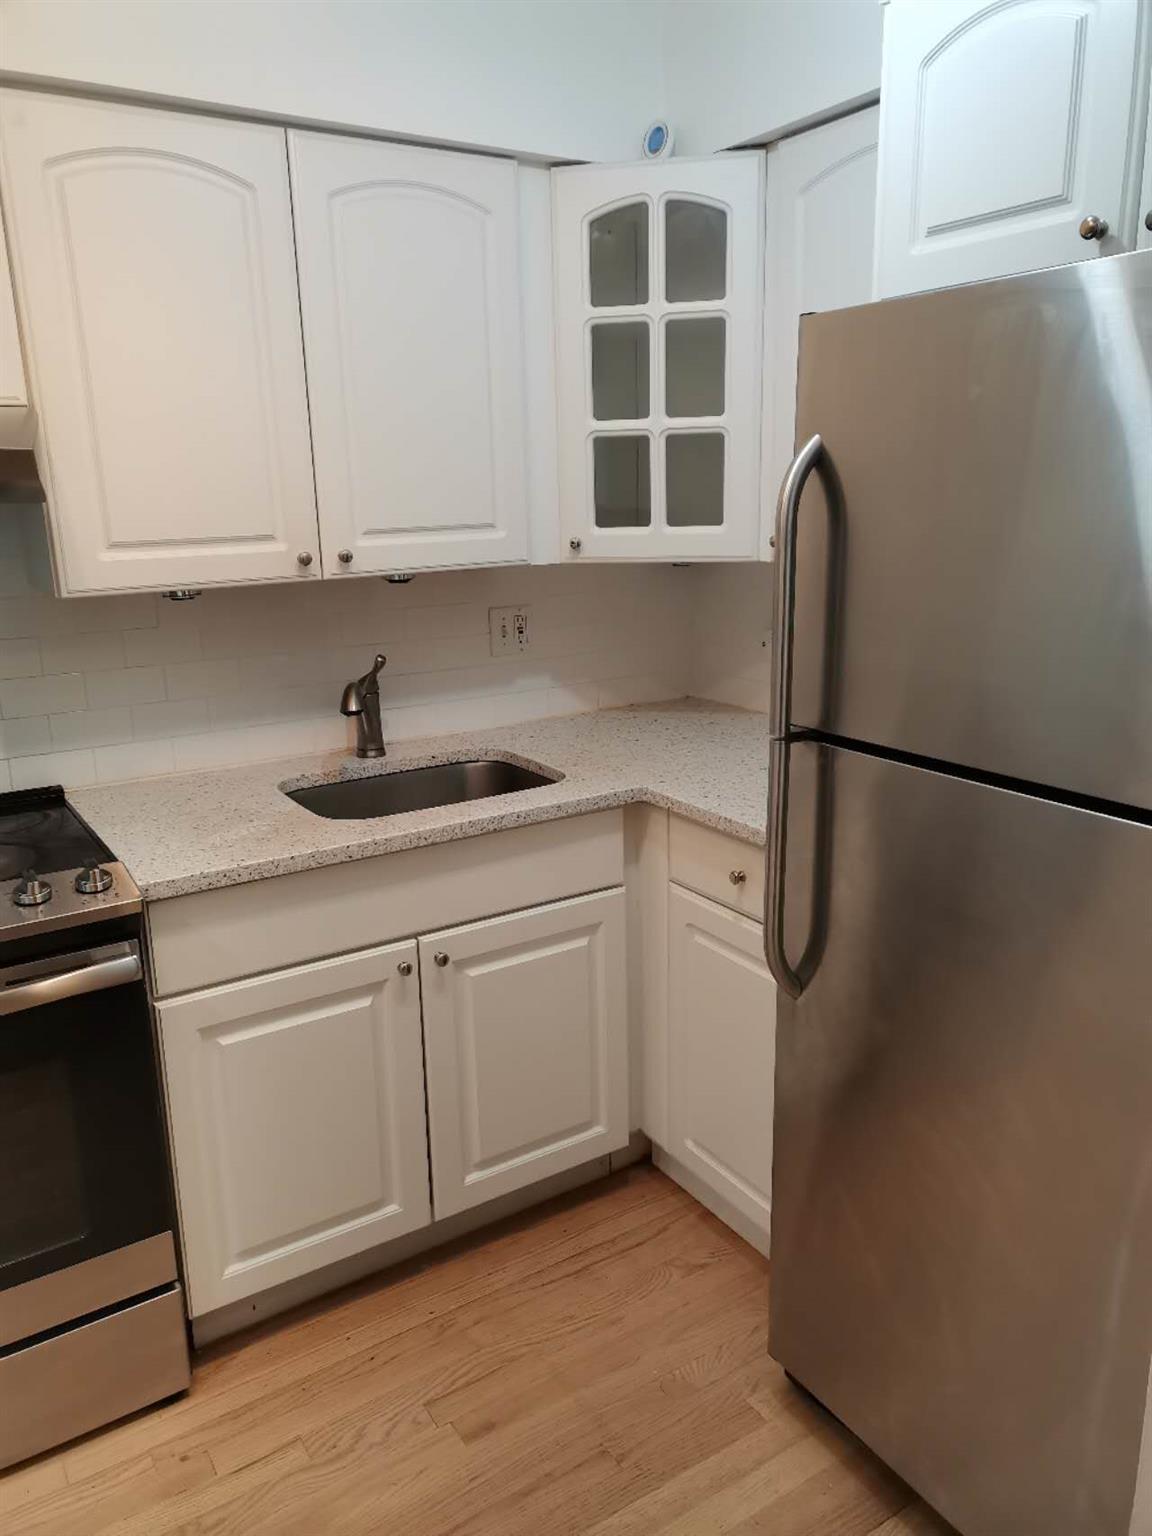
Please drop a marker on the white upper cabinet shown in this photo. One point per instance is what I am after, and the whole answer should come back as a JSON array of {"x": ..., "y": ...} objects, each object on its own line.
[
  {"x": 1144, "y": 233},
  {"x": 410, "y": 295},
  {"x": 821, "y": 197},
  {"x": 1004, "y": 125},
  {"x": 13, "y": 388},
  {"x": 154, "y": 264},
  {"x": 658, "y": 317}
]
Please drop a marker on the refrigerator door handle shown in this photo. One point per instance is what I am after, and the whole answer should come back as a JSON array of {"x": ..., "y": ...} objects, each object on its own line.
[{"x": 787, "y": 513}]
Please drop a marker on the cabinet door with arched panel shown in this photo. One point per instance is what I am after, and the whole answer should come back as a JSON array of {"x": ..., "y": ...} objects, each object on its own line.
[
  {"x": 821, "y": 193},
  {"x": 154, "y": 268},
  {"x": 1010, "y": 137},
  {"x": 410, "y": 293},
  {"x": 658, "y": 306}
]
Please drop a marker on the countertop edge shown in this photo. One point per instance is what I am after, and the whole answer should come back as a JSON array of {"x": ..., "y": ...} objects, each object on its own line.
[{"x": 449, "y": 832}]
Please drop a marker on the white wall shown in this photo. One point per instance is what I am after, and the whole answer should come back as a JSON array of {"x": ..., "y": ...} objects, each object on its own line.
[
  {"x": 561, "y": 79},
  {"x": 105, "y": 688},
  {"x": 730, "y": 653},
  {"x": 555, "y": 79},
  {"x": 742, "y": 71}
]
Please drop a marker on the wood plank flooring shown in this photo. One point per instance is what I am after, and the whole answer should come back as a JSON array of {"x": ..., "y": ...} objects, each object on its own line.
[{"x": 597, "y": 1366}]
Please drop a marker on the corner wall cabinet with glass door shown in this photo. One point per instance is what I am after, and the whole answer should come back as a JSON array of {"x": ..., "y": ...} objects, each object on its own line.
[{"x": 658, "y": 320}]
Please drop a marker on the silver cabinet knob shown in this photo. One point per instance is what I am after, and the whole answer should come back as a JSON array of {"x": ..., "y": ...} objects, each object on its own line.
[
  {"x": 1148, "y": 219},
  {"x": 575, "y": 545},
  {"x": 1093, "y": 227},
  {"x": 405, "y": 967},
  {"x": 304, "y": 559},
  {"x": 345, "y": 557},
  {"x": 738, "y": 876},
  {"x": 440, "y": 958}
]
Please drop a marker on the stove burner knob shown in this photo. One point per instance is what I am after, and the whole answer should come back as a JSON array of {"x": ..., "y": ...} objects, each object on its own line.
[
  {"x": 31, "y": 891},
  {"x": 92, "y": 880}
]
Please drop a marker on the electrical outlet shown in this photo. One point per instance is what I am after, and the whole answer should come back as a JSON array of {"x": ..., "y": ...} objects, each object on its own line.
[{"x": 509, "y": 630}]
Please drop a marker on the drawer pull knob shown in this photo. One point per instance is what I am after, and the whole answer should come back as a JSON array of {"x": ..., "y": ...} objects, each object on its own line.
[
  {"x": 440, "y": 958},
  {"x": 405, "y": 967},
  {"x": 738, "y": 876}
]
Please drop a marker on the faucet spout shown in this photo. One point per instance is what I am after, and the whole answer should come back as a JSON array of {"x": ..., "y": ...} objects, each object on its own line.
[{"x": 361, "y": 701}]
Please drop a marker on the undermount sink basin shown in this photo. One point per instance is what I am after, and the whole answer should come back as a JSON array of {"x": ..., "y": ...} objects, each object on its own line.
[{"x": 416, "y": 789}]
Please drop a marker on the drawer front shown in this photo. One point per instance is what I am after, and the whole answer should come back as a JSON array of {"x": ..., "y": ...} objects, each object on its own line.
[
  {"x": 73, "y": 1382},
  {"x": 716, "y": 865},
  {"x": 244, "y": 930}
]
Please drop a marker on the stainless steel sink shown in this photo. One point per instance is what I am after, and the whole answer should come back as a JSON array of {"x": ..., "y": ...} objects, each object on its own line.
[{"x": 416, "y": 789}]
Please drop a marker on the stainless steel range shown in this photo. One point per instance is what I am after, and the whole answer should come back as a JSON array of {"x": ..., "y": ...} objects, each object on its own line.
[{"x": 91, "y": 1311}]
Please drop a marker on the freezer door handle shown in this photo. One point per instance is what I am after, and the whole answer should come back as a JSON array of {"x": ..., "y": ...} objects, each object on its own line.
[{"x": 787, "y": 513}]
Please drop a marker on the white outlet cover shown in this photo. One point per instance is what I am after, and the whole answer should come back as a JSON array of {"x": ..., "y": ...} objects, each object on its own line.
[{"x": 510, "y": 629}]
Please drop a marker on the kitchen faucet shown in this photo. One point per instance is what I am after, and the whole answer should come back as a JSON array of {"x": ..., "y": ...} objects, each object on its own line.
[{"x": 361, "y": 700}]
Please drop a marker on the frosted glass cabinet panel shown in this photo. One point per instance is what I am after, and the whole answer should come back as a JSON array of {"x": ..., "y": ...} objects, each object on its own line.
[
  {"x": 621, "y": 355},
  {"x": 658, "y": 310},
  {"x": 618, "y": 246}
]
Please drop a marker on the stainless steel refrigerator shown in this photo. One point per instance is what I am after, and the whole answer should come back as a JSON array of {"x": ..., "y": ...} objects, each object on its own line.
[{"x": 959, "y": 905}]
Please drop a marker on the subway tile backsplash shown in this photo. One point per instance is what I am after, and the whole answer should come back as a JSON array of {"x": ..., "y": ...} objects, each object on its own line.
[
  {"x": 730, "y": 655},
  {"x": 100, "y": 689}
]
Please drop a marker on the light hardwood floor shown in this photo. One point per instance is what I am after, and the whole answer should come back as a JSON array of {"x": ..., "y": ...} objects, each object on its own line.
[{"x": 596, "y": 1366}]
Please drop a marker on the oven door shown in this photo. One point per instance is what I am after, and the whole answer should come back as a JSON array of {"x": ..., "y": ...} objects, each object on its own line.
[{"x": 81, "y": 1138}]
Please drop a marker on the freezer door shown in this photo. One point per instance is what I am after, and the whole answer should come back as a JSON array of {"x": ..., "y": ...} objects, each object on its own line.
[
  {"x": 975, "y": 556},
  {"x": 962, "y": 1190}
]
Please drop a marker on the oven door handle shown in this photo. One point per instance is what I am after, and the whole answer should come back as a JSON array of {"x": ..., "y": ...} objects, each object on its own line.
[{"x": 115, "y": 965}]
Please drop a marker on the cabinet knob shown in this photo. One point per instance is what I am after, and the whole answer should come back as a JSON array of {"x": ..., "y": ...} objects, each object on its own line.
[
  {"x": 344, "y": 556},
  {"x": 405, "y": 967},
  {"x": 1148, "y": 219},
  {"x": 440, "y": 958},
  {"x": 575, "y": 545},
  {"x": 738, "y": 876},
  {"x": 1093, "y": 227},
  {"x": 304, "y": 559}
]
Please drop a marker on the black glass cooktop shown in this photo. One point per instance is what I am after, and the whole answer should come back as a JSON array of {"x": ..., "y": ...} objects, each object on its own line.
[{"x": 39, "y": 830}]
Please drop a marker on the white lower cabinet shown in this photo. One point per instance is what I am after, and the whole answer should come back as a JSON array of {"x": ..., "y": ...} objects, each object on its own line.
[
  {"x": 721, "y": 1053},
  {"x": 525, "y": 1032},
  {"x": 296, "y": 1103}
]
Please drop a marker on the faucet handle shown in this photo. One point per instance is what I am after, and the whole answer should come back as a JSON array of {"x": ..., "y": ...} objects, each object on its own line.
[
  {"x": 368, "y": 683},
  {"x": 352, "y": 701}
]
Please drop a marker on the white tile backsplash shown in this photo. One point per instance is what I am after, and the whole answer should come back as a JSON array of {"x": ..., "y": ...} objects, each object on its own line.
[
  {"x": 732, "y": 619},
  {"x": 98, "y": 651},
  {"x": 124, "y": 687},
  {"x": 20, "y": 658},
  {"x": 128, "y": 685},
  {"x": 42, "y": 695},
  {"x": 91, "y": 727}
]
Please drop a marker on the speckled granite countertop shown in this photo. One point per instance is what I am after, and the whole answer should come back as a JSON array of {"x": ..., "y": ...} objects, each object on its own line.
[{"x": 198, "y": 831}]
